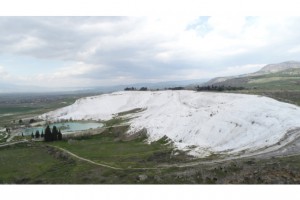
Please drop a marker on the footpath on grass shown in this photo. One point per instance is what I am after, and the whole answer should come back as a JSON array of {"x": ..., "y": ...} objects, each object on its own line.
[
  {"x": 100, "y": 164},
  {"x": 290, "y": 148},
  {"x": 181, "y": 165},
  {"x": 13, "y": 143}
]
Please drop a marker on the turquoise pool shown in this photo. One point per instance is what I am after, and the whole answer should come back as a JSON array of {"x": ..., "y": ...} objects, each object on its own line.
[{"x": 66, "y": 127}]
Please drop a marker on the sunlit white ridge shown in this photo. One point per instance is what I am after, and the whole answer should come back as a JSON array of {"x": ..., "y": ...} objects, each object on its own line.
[{"x": 202, "y": 121}]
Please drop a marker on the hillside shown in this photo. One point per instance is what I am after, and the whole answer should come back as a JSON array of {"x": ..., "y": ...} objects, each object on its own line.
[
  {"x": 201, "y": 122},
  {"x": 285, "y": 69},
  {"x": 279, "y": 81},
  {"x": 272, "y": 68}
]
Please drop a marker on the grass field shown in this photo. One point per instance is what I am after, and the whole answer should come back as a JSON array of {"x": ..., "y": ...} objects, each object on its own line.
[
  {"x": 109, "y": 148},
  {"x": 42, "y": 163},
  {"x": 15, "y": 109},
  {"x": 283, "y": 86},
  {"x": 36, "y": 163},
  {"x": 27, "y": 108},
  {"x": 30, "y": 164},
  {"x": 3, "y": 137}
]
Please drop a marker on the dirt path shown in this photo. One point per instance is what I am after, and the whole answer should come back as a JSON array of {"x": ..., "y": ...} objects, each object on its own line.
[
  {"x": 13, "y": 143},
  {"x": 291, "y": 148},
  {"x": 84, "y": 159},
  {"x": 181, "y": 165},
  {"x": 100, "y": 164}
]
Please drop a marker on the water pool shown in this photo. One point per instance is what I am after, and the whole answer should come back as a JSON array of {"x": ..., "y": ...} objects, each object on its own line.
[{"x": 66, "y": 127}]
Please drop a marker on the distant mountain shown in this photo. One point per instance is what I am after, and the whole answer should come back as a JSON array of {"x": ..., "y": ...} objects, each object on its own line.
[
  {"x": 278, "y": 81},
  {"x": 282, "y": 69},
  {"x": 157, "y": 85},
  {"x": 272, "y": 68},
  {"x": 11, "y": 88},
  {"x": 5, "y": 87},
  {"x": 218, "y": 80}
]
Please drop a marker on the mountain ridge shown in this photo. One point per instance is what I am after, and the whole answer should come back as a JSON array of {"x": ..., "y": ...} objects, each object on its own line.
[
  {"x": 271, "y": 68},
  {"x": 267, "y": 69}
]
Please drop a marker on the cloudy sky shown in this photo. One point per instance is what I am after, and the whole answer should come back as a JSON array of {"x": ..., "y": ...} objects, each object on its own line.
[{"x": 71, "y": 52}]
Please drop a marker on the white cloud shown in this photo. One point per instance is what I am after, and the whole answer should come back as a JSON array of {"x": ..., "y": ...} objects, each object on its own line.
[
  {"x": 3, "y": 74},
  {"x": 120, "y": 50},
  {"x": 227, "y": 26},
  {"x": 227, "y": 71},
  {"x": 240, "y": 69},
  {"x": 76, "y": 74},
  {"x": 27, "y": 43},
  {"x": 79, "y": 68},
  {"x": 295, "y": 49}
]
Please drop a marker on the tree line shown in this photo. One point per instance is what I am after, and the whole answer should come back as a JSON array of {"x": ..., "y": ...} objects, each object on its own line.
[
  {"x": 135, "y": 89},
  {"x": 217, "y": 88},
  {"x": 175, "y": 88},
  {"x": 49, "y": 135}
]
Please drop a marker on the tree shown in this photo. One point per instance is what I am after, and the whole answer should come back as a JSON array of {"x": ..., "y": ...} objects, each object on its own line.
[
  {"x": 54, "y": 133},
  {"x": 31, "y": 121},
  {"x": 143, "y": 89},
  {"x": 20, "y": 121},
  {"x": 48, "y": 134},
  {"x": 42, "y": 135},
  {"x": 37, "y": 134},
  {"x": 129, "y": 89},
  {"x": 32, "y": 136},
  {"x": 218, "y": 88},
  {"x": 176, "y": 88},
  {"x": 22, "y": 134},
  {"x": 59, "y": 137}
]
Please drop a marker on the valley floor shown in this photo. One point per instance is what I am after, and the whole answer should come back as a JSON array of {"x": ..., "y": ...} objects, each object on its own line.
[
  {"x": 83, "y": 160},
  {"x": 108, "y": 156}
]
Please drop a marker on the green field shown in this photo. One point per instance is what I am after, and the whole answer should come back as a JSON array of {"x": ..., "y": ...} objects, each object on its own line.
[
  {"x": 274, "y": 81},
  {"x": 115, "y": 148},
  {"x": 283, "y": 86},
  {"x": 108, "y": 149},
  {"x": 39, "y": 163},
  {"x": 13, "y": 112},
  {"x": 2, "y": 137},
  {"x": 15, "y": 109},
  {"x": 137, "y": 160},
  {"x": 30, "y": 164}
]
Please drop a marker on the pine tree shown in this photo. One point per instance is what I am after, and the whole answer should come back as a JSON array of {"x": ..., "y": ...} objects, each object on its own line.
[
  {"x": 48, "y": 134},
  {"x": 59, "y": 137},
  {"x": 42, "y": 135},
  {"x": 37, "y": 134},
  {"x": 54, "y": 133},
  {"x": 32, "y": 136}
]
